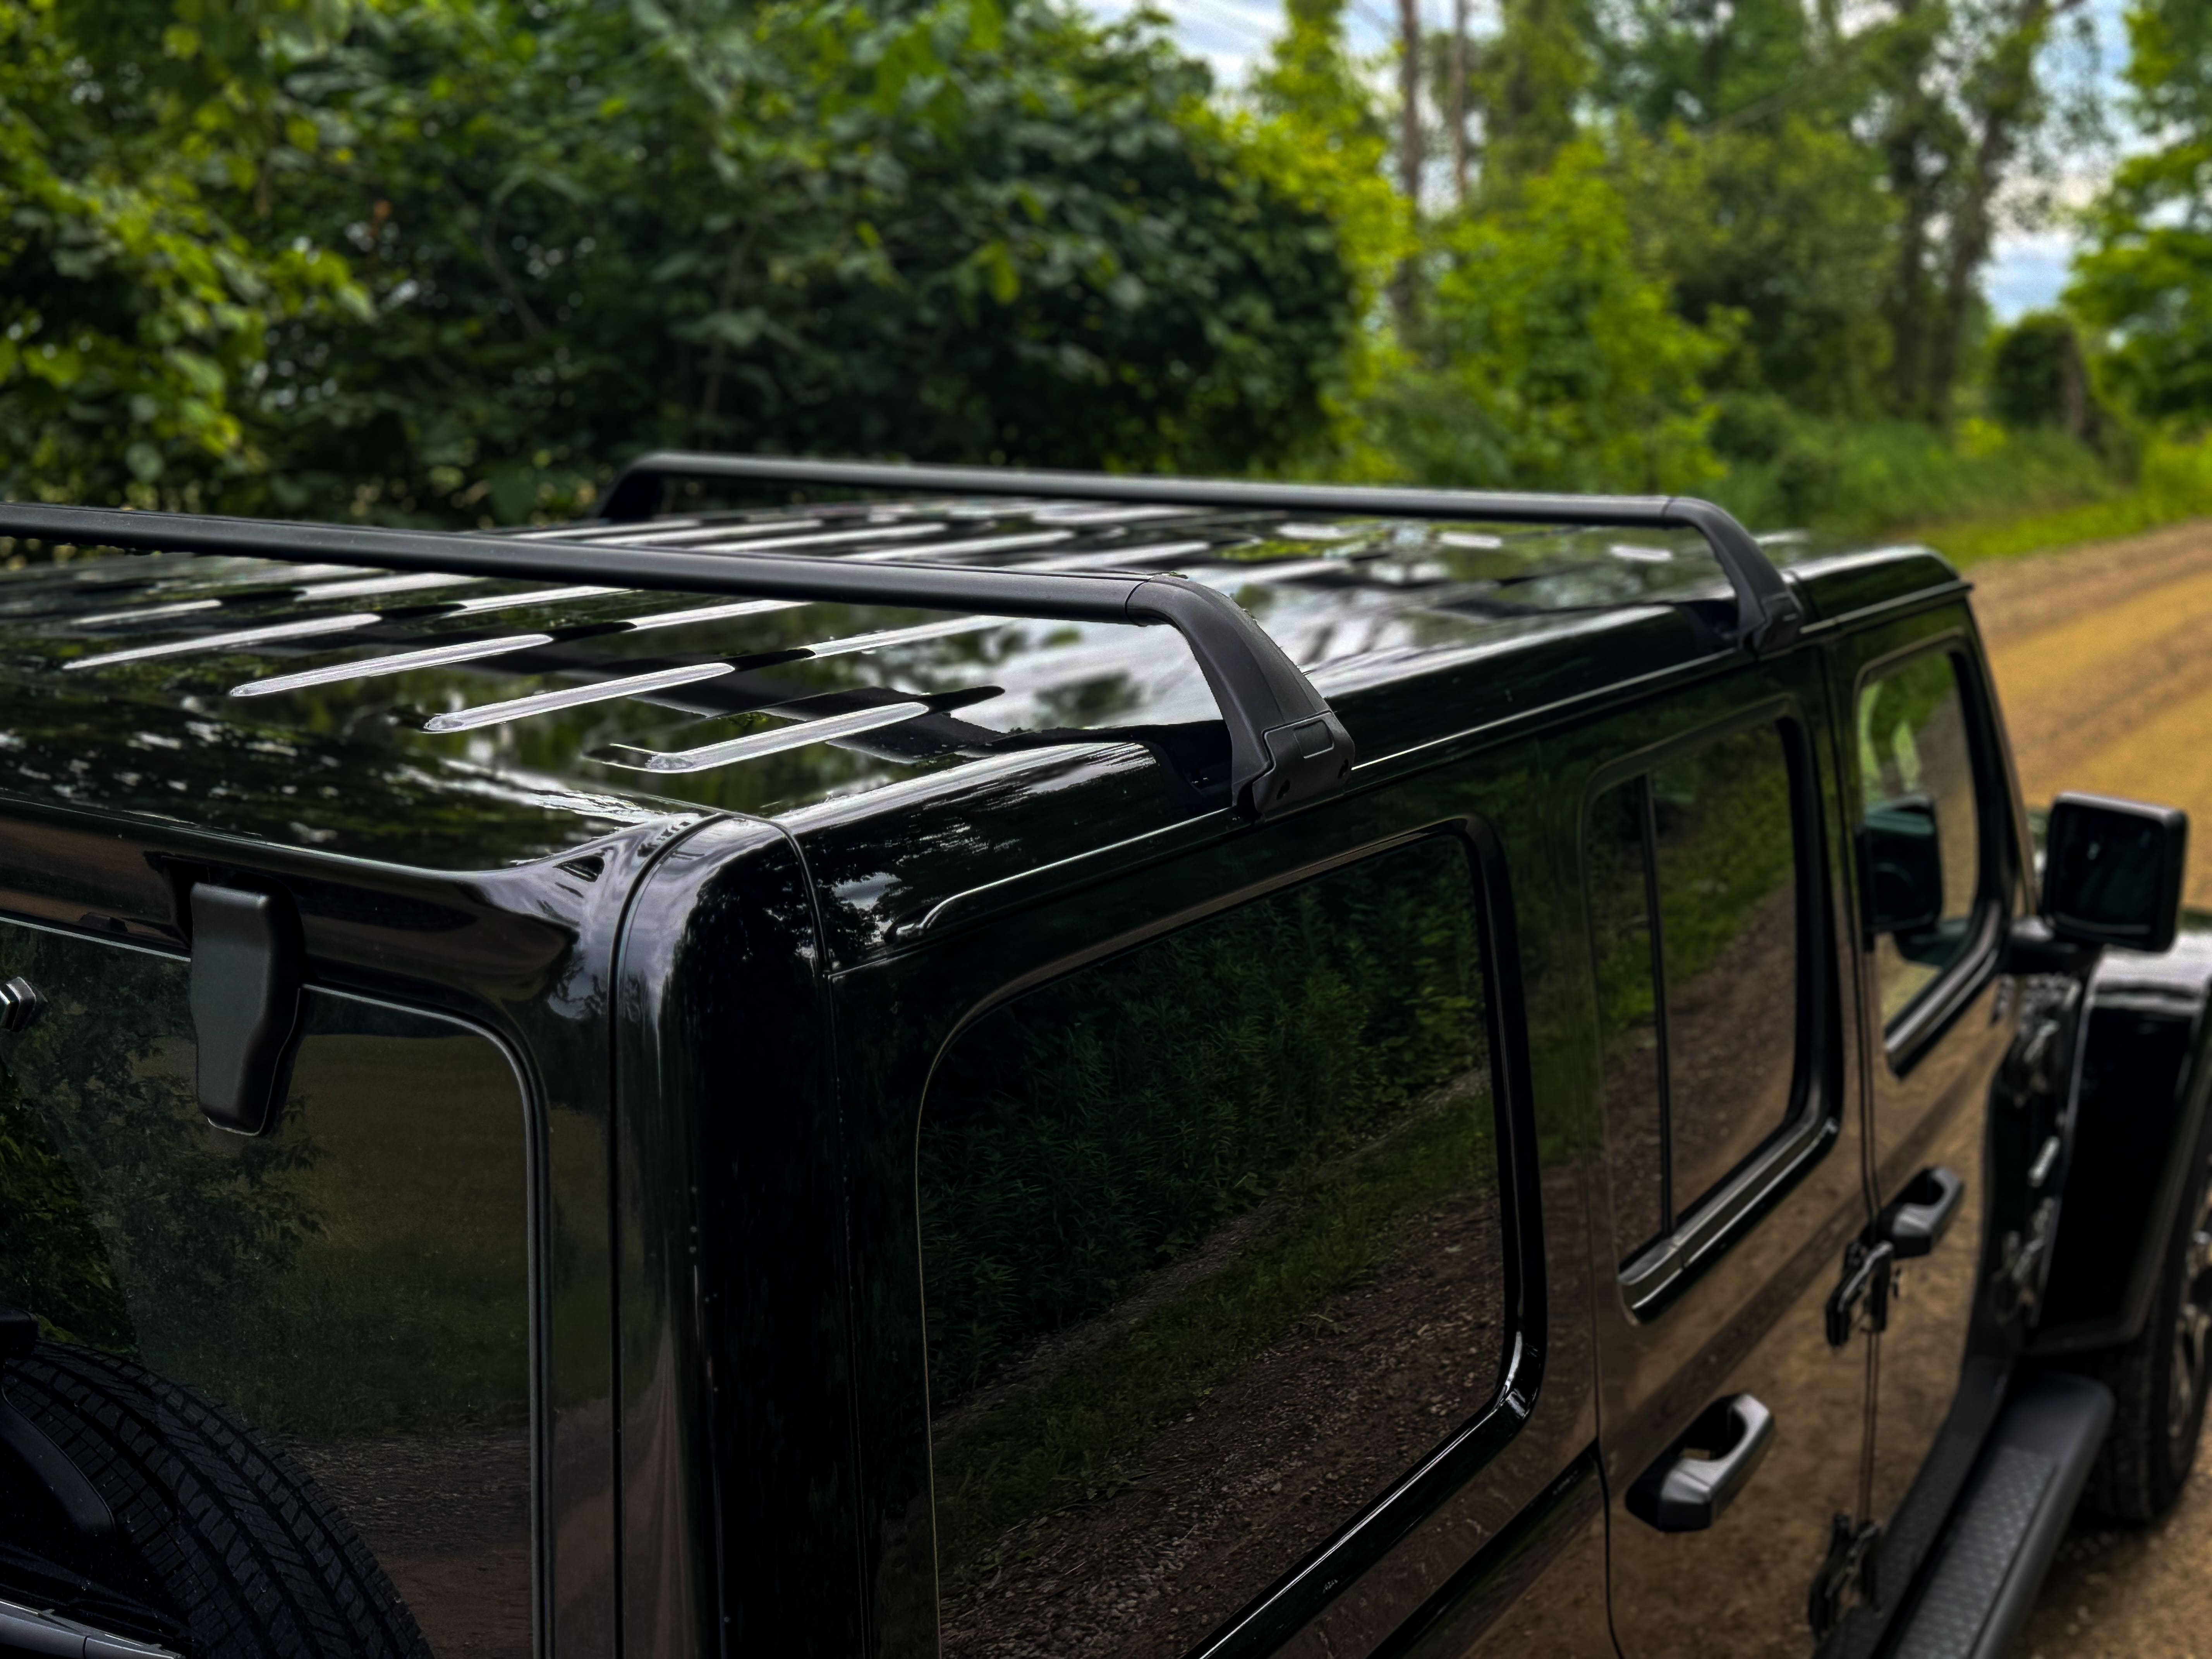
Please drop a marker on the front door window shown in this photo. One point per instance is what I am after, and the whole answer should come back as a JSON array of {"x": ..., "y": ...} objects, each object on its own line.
[{"x": 1917, "y": 779}]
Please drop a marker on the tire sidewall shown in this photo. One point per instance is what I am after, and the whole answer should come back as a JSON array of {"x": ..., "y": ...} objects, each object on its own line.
[{"x": 2174, "y": 1455}]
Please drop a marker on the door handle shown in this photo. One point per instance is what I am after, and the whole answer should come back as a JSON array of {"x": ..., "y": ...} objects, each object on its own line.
[
  {"x": 1699, "y": 1475},
  {"x": 1917, "y": 1219}
]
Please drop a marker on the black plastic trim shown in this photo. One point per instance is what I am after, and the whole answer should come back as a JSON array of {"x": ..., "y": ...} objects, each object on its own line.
[
  {"x": 2151, "y": 1121},
  {"x": 1768, "y": 615},
  {"x": 2051, "y": 1416},
  {"x": 248, "y": 976},
  {"x": 31, "y": 1630}
]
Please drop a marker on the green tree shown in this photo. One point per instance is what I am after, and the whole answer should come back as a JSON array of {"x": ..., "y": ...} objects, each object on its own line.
[
  {"x": 135, "y": 301},
  {"x": 951, "y": 233},
  {"x": 1528, "y": 82},
  {"x": 1748, "y": 189},
  {"x": 1962, "y": 97},
  {"x": 1316, "y": 132},
  {"x": 457, "y": 260},
  {"x": 1857, "y": 159},
  {"x": 1700, "y": 64},
  {"x": 1553, "y": 360},
  {"x": 2145, "y": 279},
  {"x": 1783, "y": 222},
  {"x": 2037, "y": 377}
]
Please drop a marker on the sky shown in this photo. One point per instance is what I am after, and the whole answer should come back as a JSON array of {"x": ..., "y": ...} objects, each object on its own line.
[{"x": 2027, "y": 268}]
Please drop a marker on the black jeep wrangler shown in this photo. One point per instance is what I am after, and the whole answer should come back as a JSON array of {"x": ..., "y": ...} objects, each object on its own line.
[{"x": 755, "y": 1078}]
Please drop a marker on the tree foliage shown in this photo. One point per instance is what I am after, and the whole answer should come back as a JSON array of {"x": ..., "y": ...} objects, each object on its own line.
[
  {"x": 1552, "y": 360},
  {"x": 572, "y": 230},
  {"x": 134, "y": 304},
  {"x": 455, "y": 260},
  {"x": 2147, "y": 277}
]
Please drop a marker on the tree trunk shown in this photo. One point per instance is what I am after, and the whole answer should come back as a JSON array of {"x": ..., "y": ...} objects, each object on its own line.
[
  {"x": 1410, "y": 157},
  {"x": 1459, "y": 101},
  {"x": 1908, "y": 300},
  {"x": 1409, "y": 99},
  {"x": 2010, "y": 92}
]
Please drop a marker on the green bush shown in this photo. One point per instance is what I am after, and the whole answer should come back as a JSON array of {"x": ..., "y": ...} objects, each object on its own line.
[
  {"x": 1549, "y": 359},
  {"x": 1863, "y": 477}
]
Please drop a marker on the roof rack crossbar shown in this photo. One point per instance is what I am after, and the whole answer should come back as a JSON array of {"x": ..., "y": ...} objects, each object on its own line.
[
  {"x": 1767, "y": 613},
  {"x": 1286, "y": 745}
]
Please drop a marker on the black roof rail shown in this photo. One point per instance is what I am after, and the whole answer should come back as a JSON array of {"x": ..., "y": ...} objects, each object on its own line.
[
  {"x": 1285, "y": 745},
  {"x": 1768, "y": 615}
]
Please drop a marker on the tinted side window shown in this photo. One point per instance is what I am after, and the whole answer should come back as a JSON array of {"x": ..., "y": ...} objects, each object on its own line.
[
  {"x": 1210, "y": 1255},
  {"x": 352, "y": 1286},
  {"x": 1692, "y": 871},
  {"x": 1916, "y": 771}
]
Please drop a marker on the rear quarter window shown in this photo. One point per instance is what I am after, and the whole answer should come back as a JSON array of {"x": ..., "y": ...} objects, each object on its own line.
[{"x": 1211, "y": 1255}]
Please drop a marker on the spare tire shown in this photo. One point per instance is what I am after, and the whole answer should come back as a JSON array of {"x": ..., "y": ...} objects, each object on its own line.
[{"x": 229, "y": 1546}]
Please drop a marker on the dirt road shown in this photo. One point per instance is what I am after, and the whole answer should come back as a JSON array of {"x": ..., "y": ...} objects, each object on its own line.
[
  {"x": 2102, "y": 658},
  {"x": 2104, "y": 663}
]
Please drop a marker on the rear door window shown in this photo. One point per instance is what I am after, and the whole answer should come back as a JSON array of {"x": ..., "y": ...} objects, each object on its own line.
[
  {"x": 1694, "y": 875},
  {"x": 1211, "y": 1255}
]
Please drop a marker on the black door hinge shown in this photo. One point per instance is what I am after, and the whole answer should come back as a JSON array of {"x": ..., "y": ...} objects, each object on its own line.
[
  {"x": 1869, "y": 1270},
  {"x": 246, "y": 997},
  {"x": 1850, "y": 1567}
]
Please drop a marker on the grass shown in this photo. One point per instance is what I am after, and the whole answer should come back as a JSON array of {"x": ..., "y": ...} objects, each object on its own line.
[
  {"x": 1979, "y": 492},
  {"x": 2174, "y": 485},
  {"x": 348, "y": 1344}
]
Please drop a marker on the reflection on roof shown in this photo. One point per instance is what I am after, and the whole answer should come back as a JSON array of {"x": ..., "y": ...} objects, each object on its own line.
[{"x": 624, "y": 703}]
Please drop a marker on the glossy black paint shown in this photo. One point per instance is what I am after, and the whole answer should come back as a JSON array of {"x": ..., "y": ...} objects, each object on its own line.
[
  {"x": 1474, "y": 1598},
  {"x": 740, "y": 1492},
  {"x": 1285, "y": 744},
  {"x": 726, "y": 1009}
]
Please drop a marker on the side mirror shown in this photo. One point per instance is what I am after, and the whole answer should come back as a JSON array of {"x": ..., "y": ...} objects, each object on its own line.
[
  {"x": 2112, "y": 871},
  {"x": 1901, "y": 867}
]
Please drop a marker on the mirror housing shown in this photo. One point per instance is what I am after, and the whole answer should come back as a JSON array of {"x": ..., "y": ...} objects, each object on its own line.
[
  {"x": 1901, "y": 867},
  {"x": 2112, "y": 871}
]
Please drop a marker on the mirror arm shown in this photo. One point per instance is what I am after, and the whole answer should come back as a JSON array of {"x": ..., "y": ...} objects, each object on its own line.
[{"x": 2031, "y": 947}]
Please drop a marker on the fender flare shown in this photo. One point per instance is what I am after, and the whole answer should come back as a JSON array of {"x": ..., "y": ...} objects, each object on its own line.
[{"x": 2136, "y": 1123}]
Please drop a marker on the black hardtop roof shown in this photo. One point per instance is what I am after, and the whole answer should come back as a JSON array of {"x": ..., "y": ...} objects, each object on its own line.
[{"x": 463, "y": 718}]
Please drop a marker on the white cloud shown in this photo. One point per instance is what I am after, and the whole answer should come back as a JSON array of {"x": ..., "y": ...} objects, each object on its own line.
[{"x": 2027, "y": 271}]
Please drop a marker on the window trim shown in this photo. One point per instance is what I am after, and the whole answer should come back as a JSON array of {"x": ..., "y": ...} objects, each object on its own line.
[
  {"x": 1712, "y": 1223},
  {"x": 1360, "y": 1543},
  {"x": 1906, "y": 1039}
]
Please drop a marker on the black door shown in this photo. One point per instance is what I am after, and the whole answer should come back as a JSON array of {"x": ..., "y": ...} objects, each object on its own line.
[
  {"x": 1732, "y": 1417},
  {"x": 1195, "y": 1231},
  {"x": 1931, "y": 805}
]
